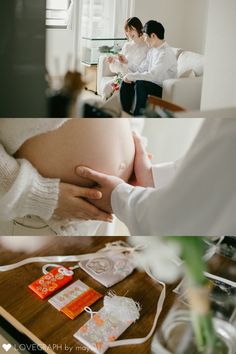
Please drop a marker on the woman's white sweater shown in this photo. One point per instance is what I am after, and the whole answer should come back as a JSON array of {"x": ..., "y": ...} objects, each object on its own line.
[
  {"x": 22, "y": 190},
  {"x": 135, "y": 54}
]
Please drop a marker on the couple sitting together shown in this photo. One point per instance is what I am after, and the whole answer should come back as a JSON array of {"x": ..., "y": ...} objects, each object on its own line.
[{"x": 144, "y": 63}]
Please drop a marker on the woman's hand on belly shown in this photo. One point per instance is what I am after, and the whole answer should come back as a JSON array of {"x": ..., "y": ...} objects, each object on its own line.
[
  {"x": 72, "y": 203},
  {"x": 106, "y": 184}
]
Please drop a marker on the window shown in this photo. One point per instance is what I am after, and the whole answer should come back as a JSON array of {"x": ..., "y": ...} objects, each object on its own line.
[
  {"x": 58, "y": 13},
  {"x": 103, "y": 18},
  {"x": 102, "y": 24}
]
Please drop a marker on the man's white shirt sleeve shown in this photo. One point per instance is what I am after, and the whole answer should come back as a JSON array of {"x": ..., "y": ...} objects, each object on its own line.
[
  {"x": 164, "y": 173},
  {"x": 201, "y": 198}
]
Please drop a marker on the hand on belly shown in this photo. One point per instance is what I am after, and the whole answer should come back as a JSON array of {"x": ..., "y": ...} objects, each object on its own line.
[
  {"x": 76, "y": 202},
  {"x": 104, "y": 184},
  {"x": 105, "y": 145}
]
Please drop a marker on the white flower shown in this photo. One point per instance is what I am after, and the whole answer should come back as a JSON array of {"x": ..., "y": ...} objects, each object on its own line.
[{"x": 159, "y": 255}]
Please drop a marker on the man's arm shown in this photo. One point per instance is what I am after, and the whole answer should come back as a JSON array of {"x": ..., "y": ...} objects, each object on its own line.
[
  {"x": 143, "y": 67},
  {"x": 164, "y": 173},
  {"x": 156, "y": 73},
  {"x": 200, "y": 200}
]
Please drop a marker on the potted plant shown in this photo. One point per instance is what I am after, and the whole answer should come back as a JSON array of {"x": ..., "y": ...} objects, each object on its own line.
[{"x": 191, "y": 328}]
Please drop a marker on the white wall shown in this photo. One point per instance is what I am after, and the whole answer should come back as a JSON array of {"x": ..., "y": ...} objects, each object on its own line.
[
  {"x": 184, "y": 20},
  {"x": 60, "y": 45},
  {"x": 219, "y": 84},
  {"x": 195, "y": 25},
  {"x": 170, "y": 13},
  {"x": 169, "y": 139}
]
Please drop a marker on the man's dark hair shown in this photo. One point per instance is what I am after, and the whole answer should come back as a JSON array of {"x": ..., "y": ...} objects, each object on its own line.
[
  {"x": 134, "y": 22},
  {"x": 154, "y": 27}
]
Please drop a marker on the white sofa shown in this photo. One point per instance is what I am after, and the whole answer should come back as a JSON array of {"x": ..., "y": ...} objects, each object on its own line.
[
  {"x": 185, "y": 90},
  {"x": 104, "y": 75}
]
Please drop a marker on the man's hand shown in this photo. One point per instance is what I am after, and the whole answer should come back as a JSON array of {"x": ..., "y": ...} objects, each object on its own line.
[
  {"x": 142, "y": 165},
  {"x": 72, "y": 203},
  {"x": 105, "y": 184},
  {"x": 125, "y": 79}
]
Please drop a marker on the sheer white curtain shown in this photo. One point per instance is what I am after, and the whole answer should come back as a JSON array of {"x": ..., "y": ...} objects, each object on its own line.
[
  {"x": 100, "y": 22},
  {"x": 104, "y": 18}
]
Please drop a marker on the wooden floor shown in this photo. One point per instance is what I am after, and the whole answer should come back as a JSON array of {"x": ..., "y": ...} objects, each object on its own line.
[{"x": 51, "y": 329}]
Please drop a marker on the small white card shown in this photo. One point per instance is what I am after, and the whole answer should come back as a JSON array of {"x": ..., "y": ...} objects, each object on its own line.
[{"x": 67, "y": 295}]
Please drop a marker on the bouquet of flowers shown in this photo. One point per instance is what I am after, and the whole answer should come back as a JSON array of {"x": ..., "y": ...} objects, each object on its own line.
[{"x": 116, "y": 83}]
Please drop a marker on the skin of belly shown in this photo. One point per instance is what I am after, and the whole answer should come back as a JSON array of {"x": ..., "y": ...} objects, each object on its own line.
[{"x": 104, "y": 144}]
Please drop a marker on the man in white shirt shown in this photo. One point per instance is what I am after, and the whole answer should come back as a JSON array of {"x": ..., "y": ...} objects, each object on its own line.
[
  {"x": 193, "y": 196},
  {"x": 147, "y": 79}
]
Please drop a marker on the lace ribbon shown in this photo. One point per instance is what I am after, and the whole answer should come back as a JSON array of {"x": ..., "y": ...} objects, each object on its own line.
[{"x": 110, "y": 248}]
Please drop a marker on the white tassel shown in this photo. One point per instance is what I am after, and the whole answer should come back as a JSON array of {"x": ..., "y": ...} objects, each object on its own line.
[{"x": 123, "y": 308}]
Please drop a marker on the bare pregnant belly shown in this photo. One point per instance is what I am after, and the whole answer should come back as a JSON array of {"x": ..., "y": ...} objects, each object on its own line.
[{"x": 106, "y": 145}]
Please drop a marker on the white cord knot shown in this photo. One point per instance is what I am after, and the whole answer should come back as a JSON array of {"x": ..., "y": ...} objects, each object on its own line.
[{"x": 89, "y": 311}]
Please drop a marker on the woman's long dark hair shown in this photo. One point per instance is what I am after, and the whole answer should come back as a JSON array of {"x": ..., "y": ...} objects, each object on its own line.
[{"x": 134, "y": 22}]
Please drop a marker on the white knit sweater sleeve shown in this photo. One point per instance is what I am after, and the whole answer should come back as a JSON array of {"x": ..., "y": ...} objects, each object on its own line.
[{"x": 23, "y": 191}]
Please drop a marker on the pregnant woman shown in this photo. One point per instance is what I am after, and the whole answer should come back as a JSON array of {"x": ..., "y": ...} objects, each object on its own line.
[
  {"x": 133, "y": 53},
  {"x": 39, "y": 191}
]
